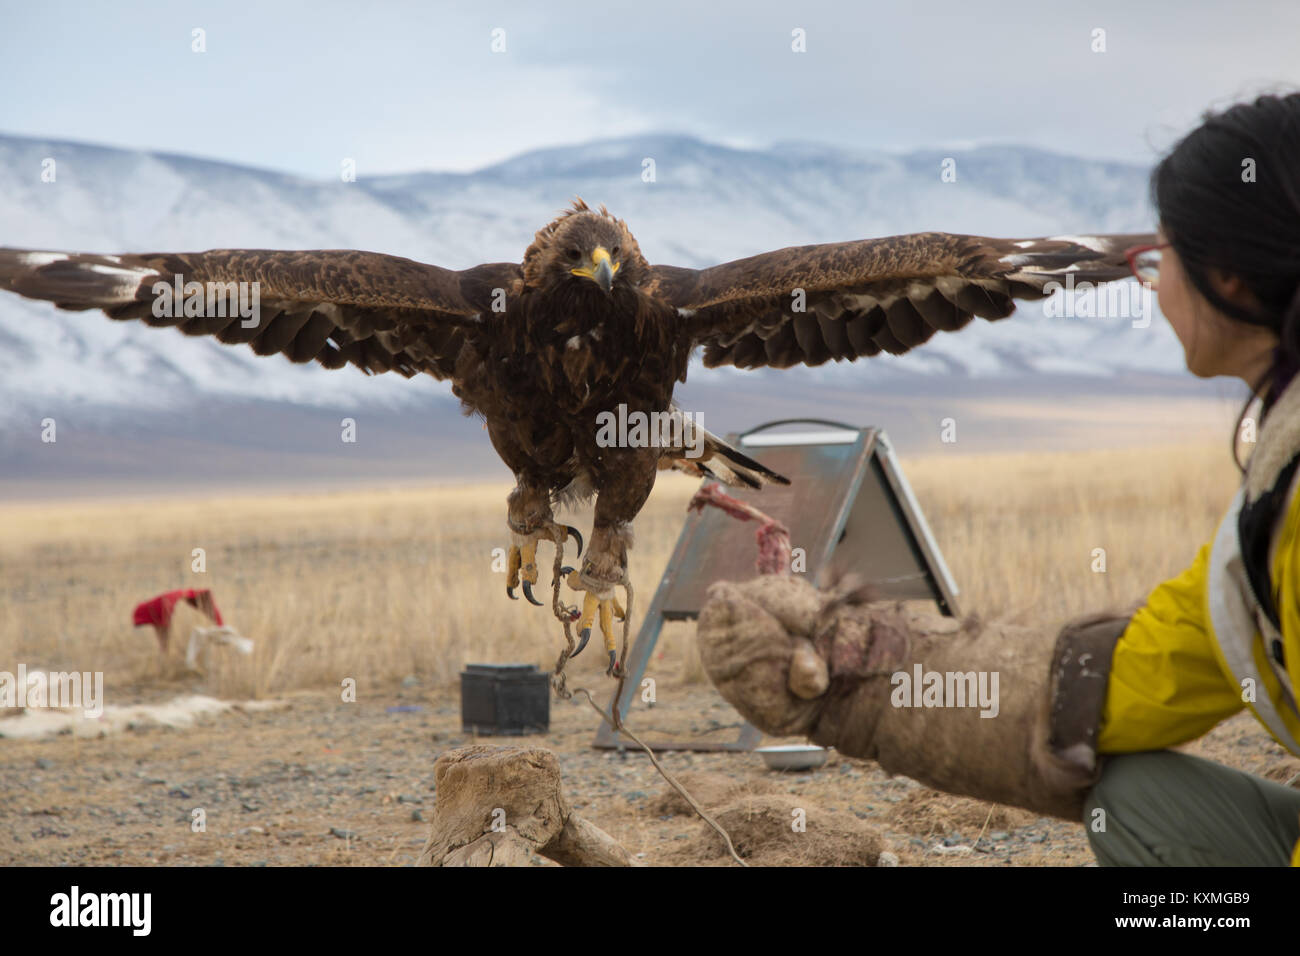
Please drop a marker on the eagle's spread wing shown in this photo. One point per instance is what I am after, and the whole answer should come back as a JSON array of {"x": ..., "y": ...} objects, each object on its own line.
[
  {"x": 862, "y": 298},
  {"x": 380, "y": 313}
]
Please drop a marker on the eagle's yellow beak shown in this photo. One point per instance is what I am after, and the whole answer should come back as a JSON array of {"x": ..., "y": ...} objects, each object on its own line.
[{"x": 602, "y": 269}]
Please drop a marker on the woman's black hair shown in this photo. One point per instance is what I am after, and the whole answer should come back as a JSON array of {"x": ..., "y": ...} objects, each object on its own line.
[{"x": 1228, "y": 198}]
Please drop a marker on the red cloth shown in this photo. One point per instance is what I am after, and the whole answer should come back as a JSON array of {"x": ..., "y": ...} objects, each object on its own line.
[{"x": 158, "y": 611}]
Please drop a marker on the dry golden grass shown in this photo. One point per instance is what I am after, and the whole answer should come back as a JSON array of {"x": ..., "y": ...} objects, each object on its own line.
[
  {"x": 1019, "y": 530},
  {"x": 379, "y": 584}
]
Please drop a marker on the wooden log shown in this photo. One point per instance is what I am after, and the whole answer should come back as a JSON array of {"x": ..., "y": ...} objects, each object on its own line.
[
  {"x": 497, "y": 806},
  {"x": 506, "y": 848}
]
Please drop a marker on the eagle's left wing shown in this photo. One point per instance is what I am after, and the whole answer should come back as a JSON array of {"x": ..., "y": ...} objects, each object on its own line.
[{"x": 844, "y": 300}]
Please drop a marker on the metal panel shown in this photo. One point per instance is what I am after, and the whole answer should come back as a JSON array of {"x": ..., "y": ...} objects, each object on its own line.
[
  {"x": 939, "y": 578},
  {"x": 814, "y": 506}
]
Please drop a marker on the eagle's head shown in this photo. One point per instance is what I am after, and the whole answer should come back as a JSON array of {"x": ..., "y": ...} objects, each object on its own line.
[{"x": 584, "y": 249}]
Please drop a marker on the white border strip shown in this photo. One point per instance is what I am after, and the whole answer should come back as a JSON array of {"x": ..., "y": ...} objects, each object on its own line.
[{"x": 801, "y": 438}]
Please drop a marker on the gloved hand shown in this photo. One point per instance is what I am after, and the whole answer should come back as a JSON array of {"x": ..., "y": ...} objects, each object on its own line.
[{"x": 843, "y": 671}]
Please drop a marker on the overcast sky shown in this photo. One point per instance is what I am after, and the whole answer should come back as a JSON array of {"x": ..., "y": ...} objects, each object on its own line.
[{"x": 410, "y": 86}]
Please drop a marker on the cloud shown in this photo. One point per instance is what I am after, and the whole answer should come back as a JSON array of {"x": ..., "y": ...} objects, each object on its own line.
[{"x": 401, "y": 87}]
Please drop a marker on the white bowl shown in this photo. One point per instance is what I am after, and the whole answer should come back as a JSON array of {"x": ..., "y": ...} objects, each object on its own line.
[{"x": 793, "y": 756}]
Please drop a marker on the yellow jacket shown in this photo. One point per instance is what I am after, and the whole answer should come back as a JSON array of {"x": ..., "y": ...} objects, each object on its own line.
[{"x": 1169, "y": 681}]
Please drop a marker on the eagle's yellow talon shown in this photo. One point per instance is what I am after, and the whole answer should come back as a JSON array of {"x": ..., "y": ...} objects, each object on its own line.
[
  {"x": 521, "y": 559},
  {"x": 607, "y": 625},
  {"x": 590, "y": 603},
  {"x": 607, "y": 608},
  {"x": 528, "y": 562},
  {"x": 521, "y": 565},
  {"x": 512, "y": 572}
]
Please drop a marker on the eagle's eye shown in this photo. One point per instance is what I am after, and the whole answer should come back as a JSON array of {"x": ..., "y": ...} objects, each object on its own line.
[
  {"x": 573, "y": 254},
  {"x": 614, "y": 251}
]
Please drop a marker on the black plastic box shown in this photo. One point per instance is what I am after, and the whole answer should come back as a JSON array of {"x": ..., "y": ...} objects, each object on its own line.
[{"x": 504, "y": 699}]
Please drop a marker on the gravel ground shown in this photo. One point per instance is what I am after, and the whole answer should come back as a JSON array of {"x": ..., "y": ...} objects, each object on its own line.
[{"x": 319, "y": 781}]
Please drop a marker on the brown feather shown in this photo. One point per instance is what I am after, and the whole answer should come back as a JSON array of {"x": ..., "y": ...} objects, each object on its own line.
[{"x": 931, "y": 282}]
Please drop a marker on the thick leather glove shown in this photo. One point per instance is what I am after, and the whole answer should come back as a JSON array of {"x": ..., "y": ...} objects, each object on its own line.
[{"x": 842, "y": 671}]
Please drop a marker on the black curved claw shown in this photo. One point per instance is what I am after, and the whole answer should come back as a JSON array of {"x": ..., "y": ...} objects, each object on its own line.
[
  {"x": 511, "y": 592},
  {"x": 613, "y": 664},
  {"x": 528, "y": 593},
  {"x": 574, "y": 531},
  {"x": 585, "y": 635}
]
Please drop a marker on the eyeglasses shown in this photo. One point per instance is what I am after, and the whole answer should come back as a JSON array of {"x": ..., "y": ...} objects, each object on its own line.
[{"x": 1145, "y": 262}]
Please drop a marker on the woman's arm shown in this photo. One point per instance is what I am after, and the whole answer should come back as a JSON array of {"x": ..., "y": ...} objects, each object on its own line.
[{"x": 1166, "y": 684}]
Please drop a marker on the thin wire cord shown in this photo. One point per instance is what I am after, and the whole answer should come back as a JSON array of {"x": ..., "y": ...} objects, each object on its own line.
[{"x": 566, "y": 614}]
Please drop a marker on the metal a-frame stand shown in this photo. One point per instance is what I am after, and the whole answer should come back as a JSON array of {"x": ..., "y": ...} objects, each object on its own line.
[{"x": 848, "y": 507}]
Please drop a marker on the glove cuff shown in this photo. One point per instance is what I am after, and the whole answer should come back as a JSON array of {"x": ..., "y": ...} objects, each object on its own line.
[{"x": 1079, "y": 679}]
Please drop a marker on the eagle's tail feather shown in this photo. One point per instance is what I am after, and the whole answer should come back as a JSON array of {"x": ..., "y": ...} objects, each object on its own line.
[{"x": 714, "y": 458}]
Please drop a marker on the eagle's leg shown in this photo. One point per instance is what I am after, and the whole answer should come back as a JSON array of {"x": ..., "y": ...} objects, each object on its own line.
[
  {"x": 602, "y": 602},
  {"x": 625, "y": 477},
  {"x": 604, "y": 569},
  {"x": 529, "y": 518}
]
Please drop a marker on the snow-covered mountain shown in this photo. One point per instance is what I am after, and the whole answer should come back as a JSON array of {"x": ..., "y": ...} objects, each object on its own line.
[{"x": 706, "y": 203}]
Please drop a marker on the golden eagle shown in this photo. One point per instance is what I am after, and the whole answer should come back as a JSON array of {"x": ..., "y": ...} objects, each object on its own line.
[{"x": 561, "y": 352}]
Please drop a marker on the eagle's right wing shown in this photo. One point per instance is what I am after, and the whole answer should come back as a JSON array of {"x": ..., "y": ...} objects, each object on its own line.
[{"x": 380, "y": 313}]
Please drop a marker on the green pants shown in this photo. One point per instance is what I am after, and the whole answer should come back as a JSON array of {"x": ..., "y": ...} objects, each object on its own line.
[{"x": 1170, "y": 809}]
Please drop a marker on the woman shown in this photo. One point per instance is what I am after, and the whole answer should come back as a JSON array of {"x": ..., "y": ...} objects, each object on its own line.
[
  {"x": 1080, "y": 725},
  {"x": 1228, "y": 199}
]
